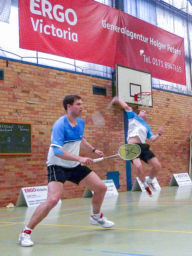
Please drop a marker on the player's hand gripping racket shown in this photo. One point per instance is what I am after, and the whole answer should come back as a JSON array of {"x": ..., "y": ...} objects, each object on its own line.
[{"x": 126, "y": 152}]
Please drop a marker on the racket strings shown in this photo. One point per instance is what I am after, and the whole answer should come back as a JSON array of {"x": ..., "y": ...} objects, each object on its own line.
[{"x": 129, "y": 151}]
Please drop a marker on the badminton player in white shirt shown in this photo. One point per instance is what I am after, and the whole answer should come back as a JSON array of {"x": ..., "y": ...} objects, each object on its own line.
[{"x": 138, "y": 132}]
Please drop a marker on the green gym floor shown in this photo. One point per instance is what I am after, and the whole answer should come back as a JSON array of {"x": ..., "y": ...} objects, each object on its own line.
[{"x": 157, "y": 226}]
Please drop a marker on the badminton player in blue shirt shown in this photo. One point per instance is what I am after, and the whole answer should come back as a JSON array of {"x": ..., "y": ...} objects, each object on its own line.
[{"x": 65, "y": 164}]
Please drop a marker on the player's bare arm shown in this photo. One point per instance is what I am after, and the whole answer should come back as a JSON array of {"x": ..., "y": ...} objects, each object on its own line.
[
  {"x": 89, "y": 147},
  {"x": 120, "y": 102},
  {"x": 68, "y": 156},
  {"x": 156, "y": 136}
]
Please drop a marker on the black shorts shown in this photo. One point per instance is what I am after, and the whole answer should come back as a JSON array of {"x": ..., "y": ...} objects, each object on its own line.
[
  {"x": 146, "y": 153},
  {"x": 61, "y": 174}
]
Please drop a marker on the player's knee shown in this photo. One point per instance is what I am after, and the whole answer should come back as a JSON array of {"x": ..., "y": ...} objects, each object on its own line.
[
  {"x": 101, "y": 188},
  {"x": 52, "y": 202}
]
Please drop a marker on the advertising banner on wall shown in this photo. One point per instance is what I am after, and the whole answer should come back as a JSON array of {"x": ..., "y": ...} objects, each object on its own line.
[{"x": 89, "y": 31}]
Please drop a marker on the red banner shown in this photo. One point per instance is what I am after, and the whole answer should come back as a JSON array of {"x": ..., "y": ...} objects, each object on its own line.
[{"x": 89, "y": 31}]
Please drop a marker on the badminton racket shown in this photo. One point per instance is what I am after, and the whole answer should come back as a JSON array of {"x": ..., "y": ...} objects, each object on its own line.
[{"x": 126, "y": 152}]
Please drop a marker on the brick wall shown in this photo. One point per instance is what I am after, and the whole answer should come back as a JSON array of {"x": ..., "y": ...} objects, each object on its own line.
[{"x": 47, "y": 87}]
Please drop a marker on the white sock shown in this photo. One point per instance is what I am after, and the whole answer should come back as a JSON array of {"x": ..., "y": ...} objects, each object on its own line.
[{"x": 96, "y": 215}]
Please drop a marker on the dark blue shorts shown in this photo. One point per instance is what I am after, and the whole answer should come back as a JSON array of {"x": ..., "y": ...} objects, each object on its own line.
[
  {"x": 61, "y": 174},
  {"x": 146, "y": 153}
]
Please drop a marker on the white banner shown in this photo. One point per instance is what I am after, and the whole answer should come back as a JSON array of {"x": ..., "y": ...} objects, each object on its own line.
[
  {"x": 181, "y": 179},
  {"x": 32, "y": 196},
  {"x": 111, "y": 189}
]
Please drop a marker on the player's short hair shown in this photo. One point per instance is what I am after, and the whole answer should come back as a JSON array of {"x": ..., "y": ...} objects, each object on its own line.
[{"x": 69, "y": 99}]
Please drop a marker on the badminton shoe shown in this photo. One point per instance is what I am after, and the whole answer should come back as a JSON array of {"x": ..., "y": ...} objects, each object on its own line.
[
  {"x": 25, "y": 239},
  {"x": 148, "y": 190},
  {"x": 151, "y": 186},
  {"x": 101, "y": 221}
]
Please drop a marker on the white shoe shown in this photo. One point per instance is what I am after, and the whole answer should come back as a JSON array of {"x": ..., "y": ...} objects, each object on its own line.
[
  {"x": 25, "y": 240},
  {"x": 102, "y": 221}
]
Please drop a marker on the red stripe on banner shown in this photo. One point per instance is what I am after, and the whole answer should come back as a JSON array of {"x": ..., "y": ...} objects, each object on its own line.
[{"x": 89, "y": 31}]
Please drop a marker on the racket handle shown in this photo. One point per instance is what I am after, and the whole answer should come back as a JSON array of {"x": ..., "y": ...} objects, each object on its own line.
[{"x": 98, "y": 159}]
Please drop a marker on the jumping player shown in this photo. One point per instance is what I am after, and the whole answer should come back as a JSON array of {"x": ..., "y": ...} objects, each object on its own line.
[{"x": 138, "y": 132}]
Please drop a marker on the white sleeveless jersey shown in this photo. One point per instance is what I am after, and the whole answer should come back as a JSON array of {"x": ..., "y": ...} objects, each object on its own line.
[{"x": 138, "y": 127}]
